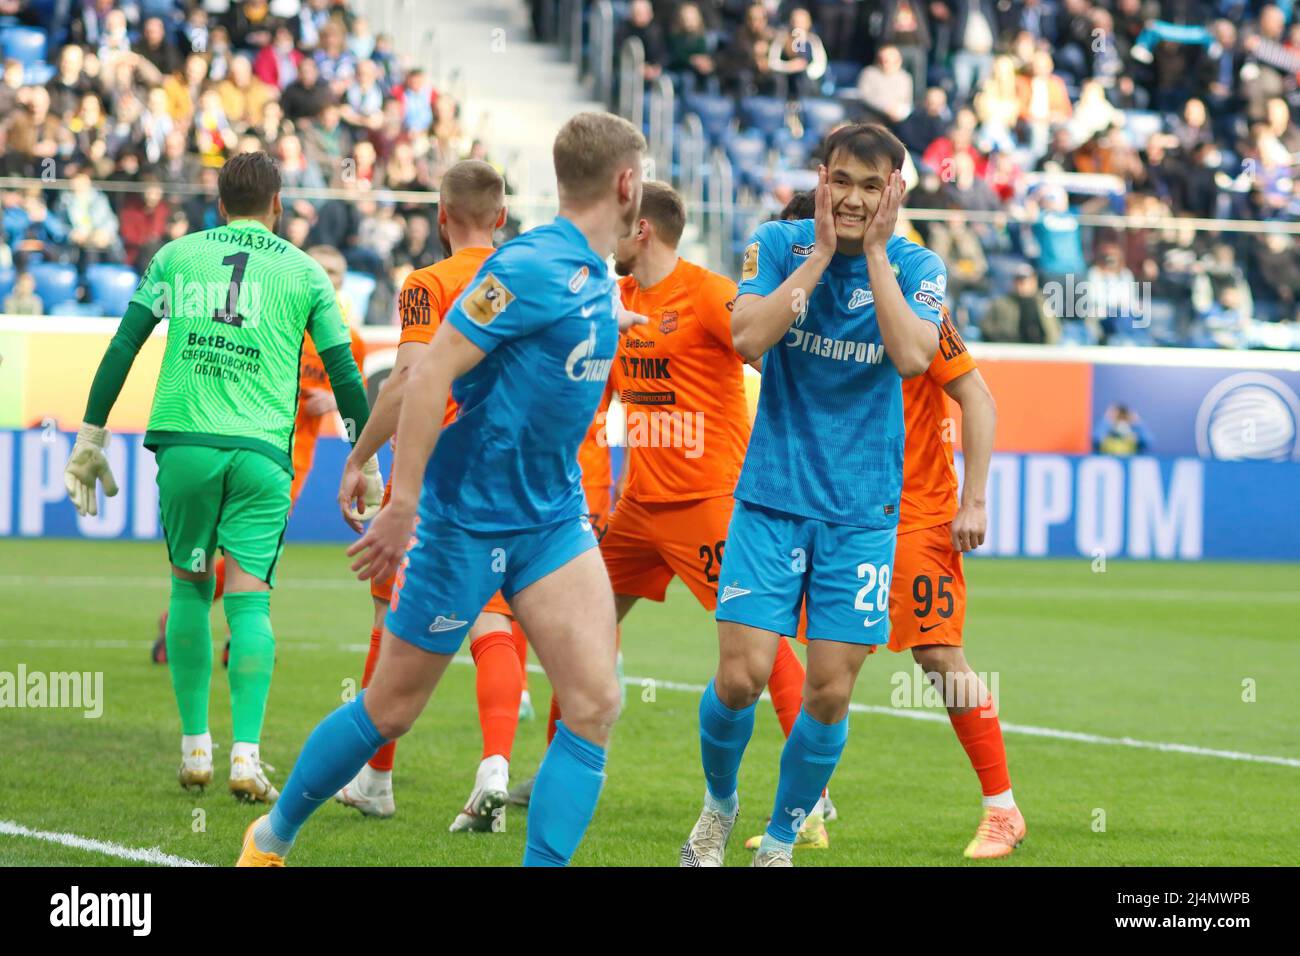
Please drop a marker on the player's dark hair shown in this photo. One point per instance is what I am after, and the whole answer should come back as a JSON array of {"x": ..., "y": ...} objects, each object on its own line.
[
  {"x": 801, "y": 206},
  {"x": 664, "y": 209},
  {"x": 868, "y": 142},
  {"x": 248, "y": 183}
]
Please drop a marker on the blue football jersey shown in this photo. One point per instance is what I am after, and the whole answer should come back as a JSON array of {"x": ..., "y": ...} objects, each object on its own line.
[
  {"x": 828, "y": 439},
  {"x": 542, "y": 308}
]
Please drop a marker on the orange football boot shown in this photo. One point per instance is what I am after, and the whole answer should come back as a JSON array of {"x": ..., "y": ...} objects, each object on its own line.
[
  {"x": 250, "y": 855},
  {"x": 1000, "y": 832}
]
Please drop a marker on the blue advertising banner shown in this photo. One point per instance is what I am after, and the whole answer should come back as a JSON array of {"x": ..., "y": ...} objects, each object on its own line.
[
  {"x": 1040, "y": 505},
  {"x": 1220, "y": 413}
]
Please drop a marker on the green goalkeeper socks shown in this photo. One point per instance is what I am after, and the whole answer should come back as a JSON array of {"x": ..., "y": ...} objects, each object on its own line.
[
  {"x": 189, "y": 651},
  {"x": 252, "y": 657}
]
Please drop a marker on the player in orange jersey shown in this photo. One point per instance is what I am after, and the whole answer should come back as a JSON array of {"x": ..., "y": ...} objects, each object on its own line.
[
  {"x": 471, "y": 208},
  {"x": 927, "y": 598},
  {"x": 682, "y": 388},
  {"x": 315, "y": 404}
]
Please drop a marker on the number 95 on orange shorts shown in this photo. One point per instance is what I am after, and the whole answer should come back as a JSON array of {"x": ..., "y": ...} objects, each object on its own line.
[{"x": 927, "y": 598}]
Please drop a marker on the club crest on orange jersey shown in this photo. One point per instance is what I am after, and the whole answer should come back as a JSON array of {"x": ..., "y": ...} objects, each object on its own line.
[
  {"x": 668, "y": 322},
  {"x": 488, "y": 300}
]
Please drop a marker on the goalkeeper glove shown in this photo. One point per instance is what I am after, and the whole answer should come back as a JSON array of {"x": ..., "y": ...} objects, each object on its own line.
[
  {"x": 374, "y": 494},
  {"x": 87, "y": 466}
]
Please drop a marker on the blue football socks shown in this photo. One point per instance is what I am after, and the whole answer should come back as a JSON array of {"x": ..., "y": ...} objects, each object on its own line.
[
  {"x": 811, "y": 752},
  {"x": 564, "y": 798},
  {"x": 724, "y": 734}
]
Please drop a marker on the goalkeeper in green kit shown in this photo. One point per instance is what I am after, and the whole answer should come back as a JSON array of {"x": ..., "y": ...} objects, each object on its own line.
[{"x": 238, "y": 300}]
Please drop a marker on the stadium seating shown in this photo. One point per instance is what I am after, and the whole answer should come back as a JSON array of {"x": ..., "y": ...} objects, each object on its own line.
[
  {"x": 715, "y": 112},
  {"x": 763, "y": 113},
  {"x": 55, "y": 283},
  {"x": 24, "y": 44},
  {"x": 7, "y": 278},
  {"x": 110, "y": 287},
  {"x": 821, "y": 116}
]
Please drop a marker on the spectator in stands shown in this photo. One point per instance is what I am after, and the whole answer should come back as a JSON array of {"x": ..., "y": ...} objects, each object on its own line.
[
  {"x": 243, "y": 95},
  {"x": 1044, "y": 100},
  {"x": 84, "y": 224},
  {"x": 1227, "y": 323},
  {"x": 902, "y": 24},
  {"x": 690, "y": 54},
  {"x": 973, "y": 38},
  {"x": 997, "y": 104},
  {"x": 927, "y": 124},
  {"x": 155, "y": 46},
  {"x": 419, "y": 247},
  {"x": 1192, "y": 128},
  {"x": 1110, "y": 296},
  {"x": 642, "y": 25},
  {"x": 1272, "y": 66},
  {"x": 797, "y": 54},
  {"x": 194, "y": 31},
  {"x": 277, "y": 62},
  {"x": 417, "y": 96},
  {"x": 144, "y": 221},
  {"x": 23, "y": 300},
  {"x": 178, "y": 164},
  {"x": 249, "y": 24},
  {"x": 363, "y": 104},
  {"x": 327, "y": 140},
  {"x": 960, "y": 139},
  {"x": 70, "y": 83},
  {"x": 307, "y": 95},
  {"x": 1022, "y": 314},
  {"x": 201, "y": 210},
  {"x": 1053, "y": 238},
  {"x": 1121, "y": 433},
  {"x": 213, "y": 135},
  {"x": 114, "y": 42},
  {"x": 886, "y": 88},
  {"x": 1093, "y": 113},
  {"x": 1276, "y": 265},
  {"x": 837, "y": 21},
  {"x": 184, "y": 89},
  {"x": 298, "y": 170},
  {"x": 337, "y": 65},
  {"x": 10, "y": 83},
  {"x": 745, "y": 67}
]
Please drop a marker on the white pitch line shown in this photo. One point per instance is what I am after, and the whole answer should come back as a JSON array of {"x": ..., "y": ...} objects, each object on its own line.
[
  {"x": 152, "y": 855},
  {"x": 1029, "y": 592},
  {"x": 1026, "y": 730}
]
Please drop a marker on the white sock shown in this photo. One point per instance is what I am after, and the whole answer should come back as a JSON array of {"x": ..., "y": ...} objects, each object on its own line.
[
  {"x": 375, "y": 782},
  {"x": 193, "y": 742},
  {"x": 490, "y": 766},
  {"x": 1003, "y": 800},
  {"x": 770, "y": 843},
  {"x": 240, "y": 749},
  {"x": 728, "y": 807}
]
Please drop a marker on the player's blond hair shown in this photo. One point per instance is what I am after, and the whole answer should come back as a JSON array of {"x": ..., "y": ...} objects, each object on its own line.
[
  {"x": 472, "y": 193},
  {"x": 589, "y": 149},
  {"x": 663, "y": 208}
]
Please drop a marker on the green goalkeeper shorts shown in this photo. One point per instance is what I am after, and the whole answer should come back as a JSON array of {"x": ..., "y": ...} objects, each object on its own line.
[{"x": 235, "y": 499}]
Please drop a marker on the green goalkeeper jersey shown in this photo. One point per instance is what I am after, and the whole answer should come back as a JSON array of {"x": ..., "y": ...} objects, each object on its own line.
[{"x": 238, "y": 300}]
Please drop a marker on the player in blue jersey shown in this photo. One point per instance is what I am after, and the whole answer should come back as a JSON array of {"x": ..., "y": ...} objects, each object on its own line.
[
  {"x": 840, "y": 310},
  {"x": 494, "y": 501}
]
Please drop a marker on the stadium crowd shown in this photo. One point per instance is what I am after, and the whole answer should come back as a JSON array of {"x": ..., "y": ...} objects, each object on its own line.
[
  {"x": 1028, "y": 113},
  {"x": 1020, "y": 115},
  {"x": 160, "y": 93}
]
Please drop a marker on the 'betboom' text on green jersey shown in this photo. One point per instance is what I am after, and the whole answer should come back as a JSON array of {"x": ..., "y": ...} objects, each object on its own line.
[
  {"x": 238, "y": 300},
  {"x": 828, "y": 439}
]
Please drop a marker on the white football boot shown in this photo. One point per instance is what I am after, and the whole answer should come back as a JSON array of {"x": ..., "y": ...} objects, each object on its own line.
[
  {"x": 772, "y": 858},
  {"x": 248, "y": 780},
  {"x": 196, "y": 768},
  {"x": 707, "y": 844},
  {"x": 485, "y": 811},
  {"x": 371, "y": 792}
]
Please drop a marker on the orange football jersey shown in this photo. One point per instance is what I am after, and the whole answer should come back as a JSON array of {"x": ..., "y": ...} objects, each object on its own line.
[
  {"x": 929, "y": 478},
  {"x": 429, "y": 292},
  {"x": 682, "y": 387},
  {"x": 311, "y": 370},
  {"x": 593, "y": 453}
]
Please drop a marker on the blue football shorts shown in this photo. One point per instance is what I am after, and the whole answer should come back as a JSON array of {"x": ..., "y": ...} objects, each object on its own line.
[
  {"x": 776, "y": 562},
  {"x": 450, "y": 572}
]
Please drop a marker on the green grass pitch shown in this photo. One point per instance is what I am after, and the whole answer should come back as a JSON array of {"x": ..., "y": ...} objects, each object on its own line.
[{"x": 1157, "y": 653}]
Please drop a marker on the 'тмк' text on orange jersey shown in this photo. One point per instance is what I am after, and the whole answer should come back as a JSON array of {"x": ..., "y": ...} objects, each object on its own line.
[
  {"x": 683, "y": 393},
  {"x": 682, "y": 387},
  {"x": 929, "y": 478}
]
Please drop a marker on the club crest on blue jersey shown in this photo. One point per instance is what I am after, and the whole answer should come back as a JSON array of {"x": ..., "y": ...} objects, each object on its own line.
[{"x": 860, "y": 298}]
